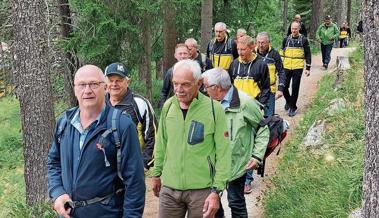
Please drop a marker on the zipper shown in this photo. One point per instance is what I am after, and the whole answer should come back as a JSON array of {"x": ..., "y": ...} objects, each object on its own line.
[
  {"x": 231, "y": 129},
  {"x": 193, "y": 130}
]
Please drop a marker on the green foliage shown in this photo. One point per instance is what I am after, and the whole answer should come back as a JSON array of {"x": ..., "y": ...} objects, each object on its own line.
[
  {"x": 327, "y": 183},
  {"x": 19, "y": 210}
]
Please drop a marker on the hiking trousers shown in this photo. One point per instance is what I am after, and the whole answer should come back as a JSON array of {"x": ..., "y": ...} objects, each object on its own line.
[
  {"x": 325, "y": 53},
  {"x": 295, "y": 76}
]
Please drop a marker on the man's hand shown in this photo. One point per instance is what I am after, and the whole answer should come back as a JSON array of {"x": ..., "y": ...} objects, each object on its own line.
[
  {"x": 211, "y": 205},
  {"x": 307, "y": 72},
  {"x": 278, "y": 94},
  {"x": 59, "y": 205},
  {"x": 156, "y": 184},
  {"x": 252, "y": 164}
]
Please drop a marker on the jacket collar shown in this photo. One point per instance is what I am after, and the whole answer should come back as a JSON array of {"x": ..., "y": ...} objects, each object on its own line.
[
  {"x": 253, "y": 57},
  {"x": 235, "y": 103}
]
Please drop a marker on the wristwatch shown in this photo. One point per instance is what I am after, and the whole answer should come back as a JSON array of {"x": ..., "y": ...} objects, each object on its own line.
[{"x": 217, "y": 191}]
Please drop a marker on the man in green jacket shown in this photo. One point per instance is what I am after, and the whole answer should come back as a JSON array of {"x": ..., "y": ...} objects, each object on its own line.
[
  {"x": 247, "y": 139},
  {"x": 326, "y": 34},
  {"x": 192, "y": 154}
]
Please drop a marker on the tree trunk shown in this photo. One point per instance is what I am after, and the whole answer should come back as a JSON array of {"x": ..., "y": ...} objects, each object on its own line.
[
  {"x": 285, "y": 16},
  {"x": 169, "y": 34},
  {"x": 371, "y": 169},
  {"x": 145, "y": 65},
  {"x": 348, "y": 13},
  {"x": 33, "y": 89},
  {"x": 71, "y": 62},
  {"x": 206, "y": 23},
  {"x": 317, "y": 14}
]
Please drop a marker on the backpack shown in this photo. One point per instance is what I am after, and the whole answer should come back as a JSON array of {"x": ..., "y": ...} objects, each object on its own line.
[
  {"x": 113, "y": 129},
  {"x": 278, "y": 131}
]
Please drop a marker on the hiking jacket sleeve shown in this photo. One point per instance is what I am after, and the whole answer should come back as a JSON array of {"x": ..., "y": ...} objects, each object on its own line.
[
  {"x": 336, "y": 32},
  {"x": 280, "y": 70},
  {"x": 307, "y": 54},
  {"x": 264, "y": 83},
  {"x": 166, "y": 88},
  {"x": 303, "y": 30},
  {"x": 132, "y": 173}
]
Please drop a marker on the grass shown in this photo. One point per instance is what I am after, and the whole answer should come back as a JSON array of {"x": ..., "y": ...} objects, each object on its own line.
[{"x": 326, "y": 183}]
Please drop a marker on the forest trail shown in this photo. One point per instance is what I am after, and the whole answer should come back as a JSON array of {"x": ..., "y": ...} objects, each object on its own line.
[{"x": 308, "y": 89}]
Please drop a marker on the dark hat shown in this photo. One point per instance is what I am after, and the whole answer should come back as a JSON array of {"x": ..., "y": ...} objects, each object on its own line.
[
  {"x": 327, "y": 17},
  {"x": 116, "y": 69}
]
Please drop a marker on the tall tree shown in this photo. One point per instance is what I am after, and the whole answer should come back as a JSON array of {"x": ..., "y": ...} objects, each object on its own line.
[
  {"x": 33, "y": 89},
  {"x": 371, "y": 169},
  {"x": 317, "y": 14},
  {"x": 285, "y": 16},
  {"x": 206, "y": 23},
  {"x": 169, "y": 34},
  {"x": 145, "y": 64},
  {"x": 348, "y": 18}
]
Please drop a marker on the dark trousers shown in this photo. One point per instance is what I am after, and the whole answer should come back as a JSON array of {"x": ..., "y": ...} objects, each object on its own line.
[
  {"x": 295, "y": 76},
  {"x": 325, "y": 53},
  {"x": 236, "y": 199}
]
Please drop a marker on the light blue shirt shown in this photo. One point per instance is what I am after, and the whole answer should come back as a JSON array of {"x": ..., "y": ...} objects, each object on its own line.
[{"x": 225, "y": 103}]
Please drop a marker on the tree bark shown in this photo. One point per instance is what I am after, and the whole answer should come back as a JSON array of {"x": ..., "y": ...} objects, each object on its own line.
[
  {"x": 285, "y": 16},
  {"x": 206, "y": 23},
  {"x": 169, "y": 34},
  {"x": 71, "y": 62},
  {"x": 348, "y": 13},
  {"x": 317, "y": 14},
  {"x": 145, "y": 65},
  {"x": 371, "y": 169},
  {"x": 33, "y": 89}
]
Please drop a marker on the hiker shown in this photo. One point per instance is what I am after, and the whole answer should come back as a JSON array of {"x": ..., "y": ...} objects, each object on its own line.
[
  {"x": 120, "y": 96},
  {"x": 345, "y": 35},
  {"x": 181, "y": 53},
  {"x": 247, "y": 141},
  {"x": 240, "y": 32},
  {"x": 303, "y": 29},
  {"x": 86, "y": 178},
  {"x": 192, "y": 154},
  {"x": 205, "y": 63},
  {"x": 221, "y": 50},
  {"x": 326, "y": 34},
  {"x": 275, "y": 67},
  {"x": 295, "y": 49}
]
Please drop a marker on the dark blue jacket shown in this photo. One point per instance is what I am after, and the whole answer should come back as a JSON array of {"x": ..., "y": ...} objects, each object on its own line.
[{"x": 93, "y": 178}]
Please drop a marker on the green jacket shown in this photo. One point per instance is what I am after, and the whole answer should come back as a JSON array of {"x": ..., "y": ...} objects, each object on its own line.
[
  {"x": 192, "y": 153},
  {"x": 327, "y": 34},
  {"x": 246, "y": 138}
]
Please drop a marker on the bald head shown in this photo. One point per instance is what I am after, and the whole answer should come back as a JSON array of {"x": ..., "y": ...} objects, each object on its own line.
[{"x": 89, "y": 70}]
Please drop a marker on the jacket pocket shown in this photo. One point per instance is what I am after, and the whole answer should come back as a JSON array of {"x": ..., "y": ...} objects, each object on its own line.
[
  {"x": 196, "y": 133},
  {"x": 212, "y": 170}
]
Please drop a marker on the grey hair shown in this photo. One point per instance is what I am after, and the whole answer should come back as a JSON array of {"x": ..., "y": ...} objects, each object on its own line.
[
  {"x": 241, "y": 30},
  {"x": 221, "y": 24},
  {"x": 192, "y": 41},
  {"x": 264, "y": 34},
  {"x": 191, "y": 65},
  {"x": 218, "y": 76}
]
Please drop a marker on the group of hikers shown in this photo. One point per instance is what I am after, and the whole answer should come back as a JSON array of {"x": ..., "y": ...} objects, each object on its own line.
[{"x": 209, "y": 137}]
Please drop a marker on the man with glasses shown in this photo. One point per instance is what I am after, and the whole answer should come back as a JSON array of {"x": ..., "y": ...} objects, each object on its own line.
[
  {"x": 91, "y": 172},
  {"x": 139, "y": 108},
  {"x": 193, "y": 48}
]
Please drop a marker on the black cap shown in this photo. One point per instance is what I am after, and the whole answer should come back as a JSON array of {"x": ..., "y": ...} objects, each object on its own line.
[
  {"x": 116, "y": 69},
  {"x": 327, "y": 17}
]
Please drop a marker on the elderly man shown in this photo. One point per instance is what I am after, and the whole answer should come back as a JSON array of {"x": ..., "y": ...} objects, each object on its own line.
[
  {"x": 326, "y": 34},
  {"x": 303, "y": 30},
  {"x": 247, "y": 140},
  {"x": 181, "y": 53},
  {"x": 221, "y": 50},
  {"x": 192, "y": 154},
  {"x": 295, "y": 49},
  {"x": 275, "y": 67},
  {"x": 205, "y": 63},
  {"x": 95, "y": 167},
  {"x": 139, "y": 108},
  {"x": 240, "y": 32}
]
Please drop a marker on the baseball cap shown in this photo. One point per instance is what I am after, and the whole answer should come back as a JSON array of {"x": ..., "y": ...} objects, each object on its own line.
[
  {"x": 116, "y": 69},
  {"x": 327, "y": 17}
]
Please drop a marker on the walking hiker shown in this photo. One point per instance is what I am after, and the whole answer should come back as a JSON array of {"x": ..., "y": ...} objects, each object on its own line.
[
  {"x": 240, "y": 32},
  {"x": 221, "y": 50},
  {"x": 204, "y": 62},
  {"x": 326, "y": 34},
  {"x": 345, "y": 35},
  {"x": 192, "y": 154},
  {"x": 303, "y": 29},
  {"x": 95, "y": 167},
  {"x": 120, "y": 96},
  {"x": 295, "y": 49},
  {"x": 247, "y": 141}
]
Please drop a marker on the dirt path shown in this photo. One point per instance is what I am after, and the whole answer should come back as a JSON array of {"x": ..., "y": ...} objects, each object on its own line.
[{"x": 308, "y": 88}]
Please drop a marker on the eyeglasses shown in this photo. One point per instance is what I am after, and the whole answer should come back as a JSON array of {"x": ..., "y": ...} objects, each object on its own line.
[
  {"x": 92, "y": 85},
  {"x": 207, "y": 87}
]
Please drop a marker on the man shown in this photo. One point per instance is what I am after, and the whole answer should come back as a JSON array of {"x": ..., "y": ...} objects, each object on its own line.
[
  {"x": 192, "y": 154},
  {"x": 248, "y": 148},
  {"x": 204, "y": 62},
  {"x": 326, "y": 34},
  {"x": 303, "y": 30},
  {"x": 181, "y": 53},
  {"x": 345, "y": 35},
  {"x": 275, "y": 67},
  {"x": 295, "y": 49},
  {"x": 120, "y": 96},
  {"x": 240, "y": 32},
  {"x": 92, "y": 170},
  {"x": 221, "y": 50}
]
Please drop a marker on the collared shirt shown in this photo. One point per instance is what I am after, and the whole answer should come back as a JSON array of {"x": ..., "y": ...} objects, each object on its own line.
[{"x": 225, "y": 103}]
